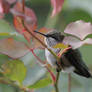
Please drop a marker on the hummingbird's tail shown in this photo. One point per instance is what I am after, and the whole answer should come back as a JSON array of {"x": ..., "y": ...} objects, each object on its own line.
[
  {"x": 75, "y": 59},
  {"x": 84, "y": 73}
]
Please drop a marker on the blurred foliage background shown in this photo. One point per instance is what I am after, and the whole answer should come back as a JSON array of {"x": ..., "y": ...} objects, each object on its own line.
[{"x": 72, "y": 10}]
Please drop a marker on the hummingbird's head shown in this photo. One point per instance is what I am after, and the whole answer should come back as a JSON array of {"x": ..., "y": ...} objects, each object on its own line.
[{"x": 52, "y": 38}]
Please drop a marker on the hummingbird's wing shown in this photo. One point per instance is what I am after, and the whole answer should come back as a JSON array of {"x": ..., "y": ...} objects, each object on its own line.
[{"x": 74, "y": 58}]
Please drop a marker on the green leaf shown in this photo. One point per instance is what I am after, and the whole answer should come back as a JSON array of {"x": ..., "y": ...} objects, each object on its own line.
[
  {"x": 60, "y": 45},
  {"x": 5, "y": 27},
  {"x": 3, "y": 59},
  {"x": 42, "y": 83},
  {"x": 14, "y": 70},
  {"x": 6, "y": 30},
  {"x": 4, "y": 34}
]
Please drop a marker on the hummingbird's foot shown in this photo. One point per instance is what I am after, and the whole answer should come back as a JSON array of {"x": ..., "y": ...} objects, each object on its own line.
[{"x": 58, "y": 69}]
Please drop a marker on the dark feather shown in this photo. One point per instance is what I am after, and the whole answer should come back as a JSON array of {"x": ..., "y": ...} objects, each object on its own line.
[{"x": 75, "y": 59}]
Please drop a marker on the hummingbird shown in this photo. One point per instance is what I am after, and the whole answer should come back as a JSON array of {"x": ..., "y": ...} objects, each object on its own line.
[{"x": 70, "y": 61}]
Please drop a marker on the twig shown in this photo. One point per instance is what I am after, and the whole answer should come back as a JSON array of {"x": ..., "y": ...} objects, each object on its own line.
[
  {"x": 69, "y": 82},
  {"x": 37, "y": 57},
  {"x": 43, "y": 63},
  {"x": 56, "y": 83},
  {"x": 54, "y": 54},
  {"x": 23, "y": 6}
]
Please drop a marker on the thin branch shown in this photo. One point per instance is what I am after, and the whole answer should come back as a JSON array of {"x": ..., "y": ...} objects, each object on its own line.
[
  {"x": 37, "y": 57},
  {"x": 56, "y": 83},
  {"x": 54, "y": 54},
  {"x": 69, "y": 82},
  {"x": 52, "y": 74},
  {"x": 23, "y": 6},
  {"x": 44, "y": 64}
]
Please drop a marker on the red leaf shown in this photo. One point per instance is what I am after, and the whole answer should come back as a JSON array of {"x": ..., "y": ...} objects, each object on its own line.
[
  {"x": 79, "y": 29},
  {"x": 12, "y": 48},
  {"x": 29, "y": 17},
  {"x": 6, "y": 6},
  {"x": 57, "y": 6},
  {"x": 20, "y": 28},
  {"x": 1, "y": 7},
  {"x": 1, "y": 10},
  {"x": 11, "y": 1}
]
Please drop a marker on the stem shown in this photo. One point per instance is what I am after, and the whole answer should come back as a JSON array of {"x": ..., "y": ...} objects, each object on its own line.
[
  {"x": 23, "y": 6},
  {"x": 69, "y": 82},
  {"x": 56, "y": 83},
  {"x": 37, "y": 57},
  {"x": 54, "y": 54},
  {"x": 51, "y": 73}
]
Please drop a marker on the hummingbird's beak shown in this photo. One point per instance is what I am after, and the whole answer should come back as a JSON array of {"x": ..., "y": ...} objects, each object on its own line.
[{"x": 40, "y": 33}]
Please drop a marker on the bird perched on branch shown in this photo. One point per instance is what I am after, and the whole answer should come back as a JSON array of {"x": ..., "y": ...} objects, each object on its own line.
[{"x": 70, "y": 61}]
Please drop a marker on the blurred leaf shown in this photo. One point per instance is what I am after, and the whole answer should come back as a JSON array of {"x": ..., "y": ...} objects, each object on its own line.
[
  {"x": 4, "y": 34},
  {"x": 14, "y": 70},
  {"x": 41, "y": 83},
  {"x": 20, "y": 28},
  {"x": 5, "y": 27},
  {"x": 60, "y": 45},
  {"x": 4, "y": 8},
  {"x": 34, "y": 74},
  {"x": 79, "y": 29},
  {"x": 3, "y": 59},
  {"x": 11, "y": 1},
  {"x": 7, "y": 88},
  {"x": 1, "y": 10},
  {"x": 57, "y": 6},
  {"x": 6, "y": 30},
  {"x": 76, "y": 43},
  {"x": 12, "y": 48},
  {"x": 29, "y": 59},
  {"x": 45, "y": 89},
  {"x": 29, "y": 18}
]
